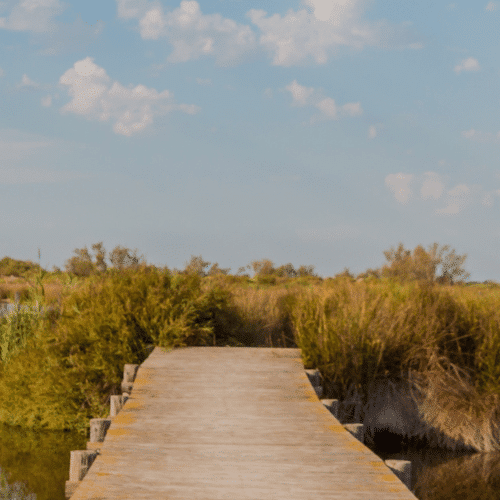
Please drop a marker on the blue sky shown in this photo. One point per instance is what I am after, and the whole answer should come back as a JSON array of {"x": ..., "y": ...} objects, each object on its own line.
[{"x": 316, "y": 132}]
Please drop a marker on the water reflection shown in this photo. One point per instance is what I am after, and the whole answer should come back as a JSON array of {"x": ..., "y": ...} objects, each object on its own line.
[
  {"x": 38, "y": 459},
  {"x": 439, "y": 474}
]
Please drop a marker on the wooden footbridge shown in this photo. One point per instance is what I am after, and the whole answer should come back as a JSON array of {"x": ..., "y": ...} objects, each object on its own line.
[{"x": 229, "y": 423}]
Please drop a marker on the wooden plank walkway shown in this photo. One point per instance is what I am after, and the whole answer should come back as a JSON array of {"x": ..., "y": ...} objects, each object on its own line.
[{"x": 232, "y": 423}]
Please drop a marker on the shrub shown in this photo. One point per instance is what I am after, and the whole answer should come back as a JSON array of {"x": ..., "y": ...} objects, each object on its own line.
[{"x": 74, "y": 361}]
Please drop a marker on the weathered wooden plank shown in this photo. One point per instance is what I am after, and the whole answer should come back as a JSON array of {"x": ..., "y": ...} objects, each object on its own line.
[{"x": 208, "y": 423}]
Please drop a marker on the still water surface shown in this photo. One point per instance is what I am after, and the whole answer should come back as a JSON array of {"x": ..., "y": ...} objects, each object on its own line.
[
  {"x": 439, "y": 474},
  {"x": 39, "y": 459}
]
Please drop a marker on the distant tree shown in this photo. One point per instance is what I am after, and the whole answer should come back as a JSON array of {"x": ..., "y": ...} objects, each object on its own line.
[
  {"x": 83, "y": 265},
  {"x": 422, "y": 265},
  {"x": 13, "y": 267},
  {"x": 122, "y": 258},
  {"x": 80, "y": 264},
  {"x": 196, "y": 265},
  {"x": 263, "y": 267},
  {"x": 100, "y": 255},
  {"x": 306, "y": 271},
  {"x": 242, "y": 269},
  {"x": 215, "y": 269},
  {"x": 345, "y": 273},
  {"x": 369, "y": 273},
  {"x": 286, "y": 271}
]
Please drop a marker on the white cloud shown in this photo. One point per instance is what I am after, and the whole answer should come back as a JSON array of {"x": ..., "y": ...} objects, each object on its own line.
[
  {"x": 469, "y": 64},
  {"x": 455, "y": 200},
  {"x": 491, "y": 6},
  {"x": 458, "y": 197},
  {"x": 372, "y": 132},
  {"x": 299, "y": 93},
  {"x": 432, "y": 186},
  {"x": 96, "y": 97},
  {"x": 316, "y": 31},
  {"x": 192, "y": 33},
  {"x": 487, "y": 200},
  {"x": 26, "y": 82},
  {"x": 31, "y": 15},
  {"x": 129, "y": 9},
  {"x": 398, "y": 184},
  {"x": 328, "y": 107},
  {"x": 332, "y": 24},
  {"x": 352, "y": 109},
  {"x": 309, "y": 96},
  {"x": 47, "y": 101}
]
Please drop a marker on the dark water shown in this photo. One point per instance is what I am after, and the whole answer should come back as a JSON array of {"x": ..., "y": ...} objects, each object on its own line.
[
  {"x": 38, "y": 459},
  {"x": 439, "y": 474},
  {"x": 41, "y": 461}
]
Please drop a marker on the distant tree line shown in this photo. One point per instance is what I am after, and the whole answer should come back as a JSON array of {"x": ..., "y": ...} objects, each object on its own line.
[{"x": 433, "y": 265}]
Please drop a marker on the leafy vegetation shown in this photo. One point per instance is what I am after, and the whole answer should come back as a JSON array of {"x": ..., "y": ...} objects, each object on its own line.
[{"x": 403, "y": 320}]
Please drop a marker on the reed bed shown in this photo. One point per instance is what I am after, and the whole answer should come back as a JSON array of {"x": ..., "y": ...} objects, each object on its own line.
[
  {"x": 421, "y": 360},
  {"x": 412, "y": 350}
]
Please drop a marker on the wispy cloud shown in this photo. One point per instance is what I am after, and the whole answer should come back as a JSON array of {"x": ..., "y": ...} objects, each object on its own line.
[
  {"x": 322, "y": 28},
  {"x": 27, "y": 82},
  {"x": 192, "y": 33},
  {"x": 308, "y": 96},
  {"x": 481, "y": 137},
  {"x": 469, "y": 64},
  {"x": 46, "y": 101},
  {"x": 491, "y": 6},
  {"x": 316, "y": 31},
  {"x": 399, "y": 185},
  {"x": 30, "y": 15},
  {"x": 454, "y": 199},
  {"x": 458, "y": 197},
  {"x": 432, "y": 187},
  {"x": 96, "y": 97}
]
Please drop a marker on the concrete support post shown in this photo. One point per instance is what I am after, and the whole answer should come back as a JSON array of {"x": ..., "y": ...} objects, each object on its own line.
[
  {"x": 314, "y": 377},
  {"x": 332, "y": 406},
  {"x": 129, "y": 372},
  {"x": 79, "y": 464},
  {"x": 402, "y": 469},
  {"x": 319, "y": 390},
  {"x": 115, "y": 404},
  {"x": 357, "y": 430},
  {"x": 98, "y": 429}
]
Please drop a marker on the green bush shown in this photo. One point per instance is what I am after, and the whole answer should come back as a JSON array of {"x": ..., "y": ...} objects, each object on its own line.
[{"x": 74, "y": 361}]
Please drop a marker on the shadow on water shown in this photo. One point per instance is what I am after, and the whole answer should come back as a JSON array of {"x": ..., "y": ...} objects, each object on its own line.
[
  {"x": 40, "y": 460},
  {"x": 439, "y": 474}
]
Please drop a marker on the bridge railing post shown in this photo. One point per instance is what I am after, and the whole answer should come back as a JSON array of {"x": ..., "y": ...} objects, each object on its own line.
[
  {"x": 357, "y": 430},
  {"x": 402, "y": 469},
  {"x": 332, "y": 406},
  {"x": 129, "y": 373},
  {"x": 80, "y": 463},
  {"x": 116, "y": 404},
  {"x": 314, "y": 377}
]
